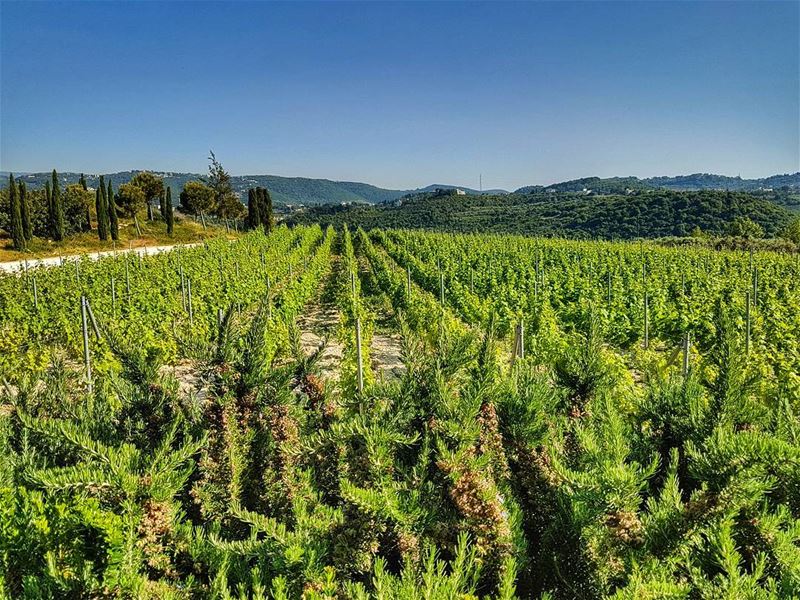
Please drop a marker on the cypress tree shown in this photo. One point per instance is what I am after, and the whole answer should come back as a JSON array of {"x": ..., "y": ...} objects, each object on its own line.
[
  {"x": 57, "y": 223},
  {"x": 163, "y": 203},
  {"x": 253, "y": 206},
  {"x": 50, "y": 209},
  {"x": 15, "y": 214},
  {"x": 169, "y": 216},
  {"x": 111, "y": 206},
  {"x": 102, "y": 210},
  {"x": 266, "y": 210},
  {"x": 88, "y": 224},
  {"x": 27, "y": 225}
]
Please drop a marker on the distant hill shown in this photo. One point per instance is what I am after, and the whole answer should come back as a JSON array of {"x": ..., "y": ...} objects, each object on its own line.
[
  {"x": 305, "y": 191},
  {"x": 292, "y": 191},
  {"x": 707, "y": 181},
  {"x": 697, "y": 181},
  {"x": 284, "y": 190},
  {"x": 609, "y": 185},
  {"x": 652, "y": 213}
]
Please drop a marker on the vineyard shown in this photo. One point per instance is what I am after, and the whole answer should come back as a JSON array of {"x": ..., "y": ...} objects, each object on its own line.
[{"x": 339, "y": 414}]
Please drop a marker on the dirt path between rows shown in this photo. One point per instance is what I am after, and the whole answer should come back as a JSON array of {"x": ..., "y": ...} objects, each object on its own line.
[
  {"x": 386, "y": 354},
  {"x": 317, "y": 326}
]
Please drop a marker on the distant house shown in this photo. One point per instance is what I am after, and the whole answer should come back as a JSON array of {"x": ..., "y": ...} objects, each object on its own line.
[
  {"x": 460, "y": 192},
  {"x": 448, "y": 192}
]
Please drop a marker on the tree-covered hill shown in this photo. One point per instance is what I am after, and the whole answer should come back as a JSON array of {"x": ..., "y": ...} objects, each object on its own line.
[
  {"x": 657, "y": 213},
  {"x": 294, "y": 191},
  {"x": 284, "y": 190}
]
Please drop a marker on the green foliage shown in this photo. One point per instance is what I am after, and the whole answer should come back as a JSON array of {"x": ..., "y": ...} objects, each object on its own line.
[
  {"x": 745, "y": 227},
  {"x": 25, "y": 210},
  {"x": 56, "y": 204},
  {"x": 113, "y": 222},
  {"x": 222, "y": 455},
  {"x": 169, "y": 214},
  {"x": 15, "y": 216},
  {"x": 130, "y": 199},
  {"x": 648, "y": 214},
  {"x": 197, "y": 198},
  {"x": 101, "y": 205}
]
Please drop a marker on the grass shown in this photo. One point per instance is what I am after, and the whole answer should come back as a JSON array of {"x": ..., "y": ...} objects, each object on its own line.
[{"x": 153, "y": 234}]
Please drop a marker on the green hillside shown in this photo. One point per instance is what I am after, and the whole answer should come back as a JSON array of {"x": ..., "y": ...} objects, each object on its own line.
[
  {"x": 284, "y": 190},
  {"x": 658, "y": 213}
]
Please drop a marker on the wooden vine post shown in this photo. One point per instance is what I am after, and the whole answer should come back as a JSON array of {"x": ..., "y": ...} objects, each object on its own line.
[
  {"x": 87, "y": 360},
  {"x": 189, "y": 294},
  {"x": 359, "y": 358},
  {"x": 747, "y": 324},
  {"x": 686, "y": 349},
  {"x": 646, "y": 321}
]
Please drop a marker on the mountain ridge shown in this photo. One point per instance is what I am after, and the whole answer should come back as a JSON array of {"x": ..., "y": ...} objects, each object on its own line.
[{"x": 295, "y": 191}]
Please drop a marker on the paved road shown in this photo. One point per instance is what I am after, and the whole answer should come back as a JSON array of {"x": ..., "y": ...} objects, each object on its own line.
[{"x": 18, "y": 266}]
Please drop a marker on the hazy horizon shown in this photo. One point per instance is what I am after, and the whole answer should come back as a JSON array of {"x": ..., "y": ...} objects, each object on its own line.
[{"x": 403, "y": 95}]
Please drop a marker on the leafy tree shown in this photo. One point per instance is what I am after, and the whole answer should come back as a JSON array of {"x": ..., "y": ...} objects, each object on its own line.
[
  {"x": 746, "y": 228},
  {"x": 113, "y": 223},
  {"x": 56, "y": 210},
  {"x": 169, "y": 215},
  {"x": 151, "y": 185},
  {"x": 197, "y": 199},
  {"x": 17, "y": 233},
  {"x": 226, "y": 204},
  {"x": 230, "y": 207},
  {"x": 131, "y": 199},
  {"x": 792, "y": 231},
  {"x": 77, "y": 202},
  {"x": 25, "y": 209}
]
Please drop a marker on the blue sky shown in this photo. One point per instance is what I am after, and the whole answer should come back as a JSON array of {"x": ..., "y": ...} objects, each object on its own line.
[{"x": 403, "y": 95}]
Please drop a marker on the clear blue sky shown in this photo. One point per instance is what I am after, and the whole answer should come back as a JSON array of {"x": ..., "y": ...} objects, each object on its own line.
[{"x": 403, "y": 95}]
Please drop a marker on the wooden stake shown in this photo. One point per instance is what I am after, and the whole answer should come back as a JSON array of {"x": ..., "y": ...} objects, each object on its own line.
[
  {"x": 35, "y": 294},
  {"x": 86, "y": 356},
  {"x": 359, "y": 359},
  {"x": 646, "y": 321},
  {"x": 686, "y": 345},
  {"x": 183, "y": 289},
  {"x": 93, "y": 320},
  {"x": 189, "y": 292},
  {"x": 747, "y": 320}
]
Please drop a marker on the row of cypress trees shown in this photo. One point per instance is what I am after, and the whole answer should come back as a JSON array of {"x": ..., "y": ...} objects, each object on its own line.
[
  {"x": 107, "y": 224},
  {"x": 19, "y": 212},
  {"x": 259, "y": 209},
  {"x": 21, "y": 226}
]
